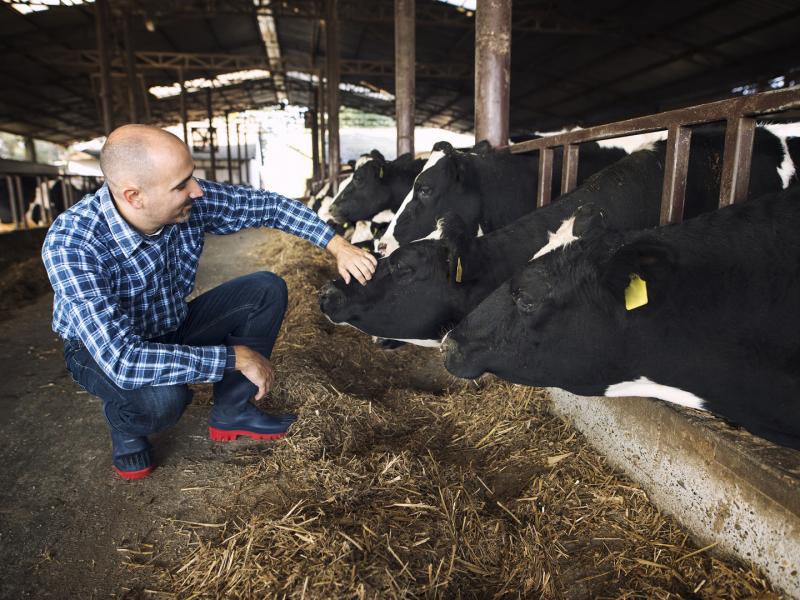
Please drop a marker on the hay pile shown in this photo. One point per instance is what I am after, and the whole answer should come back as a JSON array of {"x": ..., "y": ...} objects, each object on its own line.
[{"x": 398, "y": 481}]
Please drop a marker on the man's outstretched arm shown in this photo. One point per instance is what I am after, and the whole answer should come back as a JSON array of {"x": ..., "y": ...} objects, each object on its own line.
[{"x": 352, "y": 260}]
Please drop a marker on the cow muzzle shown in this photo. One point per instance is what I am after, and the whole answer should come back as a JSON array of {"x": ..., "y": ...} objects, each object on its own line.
[{"x": 331, "y": 299}]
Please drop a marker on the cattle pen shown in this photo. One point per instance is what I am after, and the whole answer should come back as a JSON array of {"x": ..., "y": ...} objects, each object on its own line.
[{"x": 731, "y": 490}]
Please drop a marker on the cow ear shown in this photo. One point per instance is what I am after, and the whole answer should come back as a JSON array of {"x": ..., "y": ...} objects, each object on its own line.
[
  {"x": 482, "y": 148},
  {"x": 639, "y": 273},
  {"x": 377, "y": 156},
  {"x": 457, "y": 240},
  {"x": 445, "y": 147},
  {"x": 352, "y": 163}
]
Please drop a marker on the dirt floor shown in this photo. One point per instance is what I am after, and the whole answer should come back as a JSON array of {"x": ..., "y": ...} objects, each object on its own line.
[{"x": 396, "y": 482}]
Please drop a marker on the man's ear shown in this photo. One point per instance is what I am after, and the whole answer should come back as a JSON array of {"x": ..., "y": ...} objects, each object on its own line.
[
  {"x": 645, "y": 260},
  {"x": 457, "y": 240},
  {"x": 132, "y": 196}
]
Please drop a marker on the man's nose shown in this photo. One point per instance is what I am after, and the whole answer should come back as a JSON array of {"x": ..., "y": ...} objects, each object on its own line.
[{"x": 195, "y": 190}]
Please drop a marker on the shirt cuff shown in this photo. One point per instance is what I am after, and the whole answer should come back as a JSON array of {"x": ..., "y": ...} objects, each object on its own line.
[
  {"x": 326, "y": 237},
  {"x": 230, "y": 360}
]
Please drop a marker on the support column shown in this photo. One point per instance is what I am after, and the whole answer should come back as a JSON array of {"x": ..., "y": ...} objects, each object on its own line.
[
  {"x": 492, "y": 70},
  {"x": 212, "y": 174},
  {"x": 30, "y": 150},
  {"x": 323, "y": 128},
  {"x": 130, "y": 67},
  {"x": 228, "y": 145},
  {"x": 184, "y": 116},
  {"x": 314, "y": 110},
  {"x": 238, "y": 151},
  {"x": 246, "y": 159},
  {"x": 404, "y": 80},
  {"x": 103, "y": 50},
  {"x": 332, "y": 57}
]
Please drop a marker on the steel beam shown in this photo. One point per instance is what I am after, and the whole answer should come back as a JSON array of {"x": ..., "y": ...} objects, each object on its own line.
[
  {"x": 209, "y": 107},
  {"x": 492, "y": 71},
  {"x": 404, "y": 60},
  {"x": 101, "y": 30},
  {"x": 332, "y": 59}
]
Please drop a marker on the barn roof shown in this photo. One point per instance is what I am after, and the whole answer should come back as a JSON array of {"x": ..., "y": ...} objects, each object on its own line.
[{"x": 572, "y": 62}]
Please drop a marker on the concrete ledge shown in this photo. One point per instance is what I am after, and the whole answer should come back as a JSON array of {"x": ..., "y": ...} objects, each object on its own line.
[{"x": 722, "y": 484}]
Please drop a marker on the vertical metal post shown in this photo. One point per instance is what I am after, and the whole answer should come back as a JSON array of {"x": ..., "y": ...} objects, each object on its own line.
[
  {"x": 101, "y": 31},
  {"x": 332, "y": 56},
  {"x": 492, "y": 70},
  {"x": 184, "y": 116},
  {"x": 209, "y": 109},
  {"x": 569, "y": 168},
  {"x": 238, "y": 152},
  {"x": 228, "y": 145},
  {"x": 30, "y": 149},
  {"x": 675, "y": 170},
  {"x": 21, "y": 202},
  {"x": 735, "y": 177},
  {"x": 246, "y": 159},
  {"x": 323, "y": 148},
  {"x": 12, "y": 199},
  {"x": 130, "y": 67},
  {"x": 544, "y": 189},
  {"x": 314, "y": 109},
  {"x": 404, "y": 61}
]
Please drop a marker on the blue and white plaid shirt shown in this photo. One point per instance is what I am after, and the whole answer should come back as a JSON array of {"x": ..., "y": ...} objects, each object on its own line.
[{"x": 115, "y": 289}]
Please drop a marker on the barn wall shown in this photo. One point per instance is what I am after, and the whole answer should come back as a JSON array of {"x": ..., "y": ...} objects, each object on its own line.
[{"x": 725, "y": 486}]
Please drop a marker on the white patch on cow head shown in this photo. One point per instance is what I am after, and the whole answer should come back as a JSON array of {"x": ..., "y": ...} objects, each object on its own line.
[
  {"x": 562, "y": 237},
  {"x": 787, "y": 169},
  {"x": 343, "y": 187},
  {"x": 362, "y": 160},
  {"x": 385, "y": 216},
  {"x": 649, "y": 389},
  {"x": 425, "y": 343},
  {"x": 362, "y": 232},
  {"x": 324, "y": 211},
  {"x": 323, "y": 191},
  {"x": 388, "y": 243},
  {"x": 436, "y": 234},
  {"x": 480, "y": 231}
]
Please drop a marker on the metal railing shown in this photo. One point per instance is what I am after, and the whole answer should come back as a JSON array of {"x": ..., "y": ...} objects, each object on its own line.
[{"x": 738, "y": 113}]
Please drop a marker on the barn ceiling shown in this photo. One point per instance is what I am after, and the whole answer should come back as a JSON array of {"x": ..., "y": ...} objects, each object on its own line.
[{"x": 572, "y": 62}]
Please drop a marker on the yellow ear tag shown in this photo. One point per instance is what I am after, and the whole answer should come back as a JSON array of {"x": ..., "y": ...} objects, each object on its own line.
[
  {"x": 635, "y": 293},
  {"x": 458, "y": 270},
  {"x": 380, "y": 173}
]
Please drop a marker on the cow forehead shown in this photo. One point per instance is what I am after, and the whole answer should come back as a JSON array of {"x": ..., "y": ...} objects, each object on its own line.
[{"x": 362, "y": 160}]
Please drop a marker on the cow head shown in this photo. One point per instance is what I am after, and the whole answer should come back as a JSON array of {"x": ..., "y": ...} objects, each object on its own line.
[
  {"x": 561, "y": 320},
  {"x": 416, "y": 293},
  {"x": 365, "y": 193},
  {"x": 447, "y": 184}
]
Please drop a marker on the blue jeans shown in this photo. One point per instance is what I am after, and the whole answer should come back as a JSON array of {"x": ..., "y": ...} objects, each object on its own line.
[{"x": 249, "y": 307}]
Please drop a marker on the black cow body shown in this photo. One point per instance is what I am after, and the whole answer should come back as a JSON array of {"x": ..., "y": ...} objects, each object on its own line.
[
  {"x": 487, "y": 189},
  {"x": 375, "y": 186},
  {"x": 415, "y": 293},
  {"x": 720, "y": 329}
]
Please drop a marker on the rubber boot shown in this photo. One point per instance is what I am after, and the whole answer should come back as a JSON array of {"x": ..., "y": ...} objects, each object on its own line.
[
  {"x": 233, "y": 413},
  {"x": 131, "y": 455}
]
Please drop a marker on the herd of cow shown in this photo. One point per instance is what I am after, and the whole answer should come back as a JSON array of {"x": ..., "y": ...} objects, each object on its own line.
[
  {"x": 39, "y": 199},
  {"x": 589, "y": 294}
]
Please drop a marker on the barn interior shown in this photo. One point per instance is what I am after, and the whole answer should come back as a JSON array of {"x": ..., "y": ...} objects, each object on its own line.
[{"x": 74, "y": 70}]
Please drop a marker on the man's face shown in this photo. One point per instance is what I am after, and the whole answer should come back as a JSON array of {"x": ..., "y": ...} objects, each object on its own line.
[{"x": 171, "y": 190}]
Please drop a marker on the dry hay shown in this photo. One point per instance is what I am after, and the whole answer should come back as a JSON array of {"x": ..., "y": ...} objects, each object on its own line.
[{"x": 386, "y": 490}]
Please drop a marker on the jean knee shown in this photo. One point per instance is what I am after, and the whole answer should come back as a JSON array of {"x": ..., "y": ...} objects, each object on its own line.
[
  {"x": 168, "y": 405},
  {"x": 275, "y": 290}
]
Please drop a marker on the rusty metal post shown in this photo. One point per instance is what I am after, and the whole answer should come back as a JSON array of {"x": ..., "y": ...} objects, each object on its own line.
[
  {"x": 735, "y": 177},
  {"x": 228, "y": 145},
  {"x": 332, "y": 57},
  {"x": 569, "y": 168},
  {"x": 130, "y": 67},
  {"x": 30, "y": 149},
  {"x": 246, "y": 163},
  {"x": 106, "y": 93},
  {"x": 323, "y": 122},
  {"x": 492, "y": 70},
  {"x": 238, "y": 153},
  {"x": 404, "y": 81},
  {"x": 544, "y": 188},
  {"x": 12, "y": 199},
  {"x": 314, "y": 110},
  {"x": 184, "y": 116},
  {"x": 209, "y": 109},
  {"x": 676, "y": 168}
]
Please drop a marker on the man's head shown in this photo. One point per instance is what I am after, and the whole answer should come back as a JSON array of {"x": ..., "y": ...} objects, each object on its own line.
[{"x": 149, "y": 172}]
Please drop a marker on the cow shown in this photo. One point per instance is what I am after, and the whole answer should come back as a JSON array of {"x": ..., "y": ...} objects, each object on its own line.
[
  {"x": 701, "y": 314},
  {"x": 28, "y": 188},
  {"x": 376, "y": 186},
  {"x": 425, "y": 288},
  {"x": 488, "y": 189}
]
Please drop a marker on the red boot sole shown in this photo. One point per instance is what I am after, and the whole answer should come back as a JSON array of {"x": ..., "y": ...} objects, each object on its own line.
[
  {"x": 224, "y": 435},
  {"x": 134, "y": 474}
]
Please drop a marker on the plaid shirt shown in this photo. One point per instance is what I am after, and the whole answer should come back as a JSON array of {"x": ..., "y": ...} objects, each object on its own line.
[{"x": 115, "y": 289}]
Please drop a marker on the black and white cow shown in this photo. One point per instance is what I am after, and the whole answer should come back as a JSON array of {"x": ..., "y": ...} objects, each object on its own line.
[
  {"x": 488, "y": 189},
  {"x": 376, "y": 185},
  {"x": 28, "y": 188},
  {"x": 425, "y": 288},
  {"x": 702, "y": 314}
]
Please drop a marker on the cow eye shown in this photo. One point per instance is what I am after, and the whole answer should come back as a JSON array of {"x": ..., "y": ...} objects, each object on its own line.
[
  {"x": 524, "y": 301},
  {"x": 424, "y": 190}
]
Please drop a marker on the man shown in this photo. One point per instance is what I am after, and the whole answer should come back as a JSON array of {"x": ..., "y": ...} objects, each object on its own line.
[{"x": 122, "y": 262}]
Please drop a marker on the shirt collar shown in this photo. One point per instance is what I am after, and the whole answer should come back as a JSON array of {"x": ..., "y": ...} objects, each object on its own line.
[{"x": 126, "y": 236}]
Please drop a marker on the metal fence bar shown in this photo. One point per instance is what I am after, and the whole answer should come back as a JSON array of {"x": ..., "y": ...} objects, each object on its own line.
[
  {"x": 12, "y": 200},
  {"x": 569, "y": 168},
  {"x": 736, "y": 160},
  {"x": 675, "y": 170},
  {"x": 544, "y": 188}
]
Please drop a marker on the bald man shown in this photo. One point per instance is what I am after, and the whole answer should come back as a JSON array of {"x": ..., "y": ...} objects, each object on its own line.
[{"x": 122, "y": 262}]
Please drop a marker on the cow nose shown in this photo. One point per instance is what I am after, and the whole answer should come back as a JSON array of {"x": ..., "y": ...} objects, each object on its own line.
[
  {"x": 382, "y": 248},
  {"x": 449, "y": 346},
  {"x": 330, "y": 298}
]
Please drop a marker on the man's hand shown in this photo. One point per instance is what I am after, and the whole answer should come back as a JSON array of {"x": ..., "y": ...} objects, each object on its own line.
[
  {"x": 351, "y": 260},
  {"x": 256, "y": 368}
]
